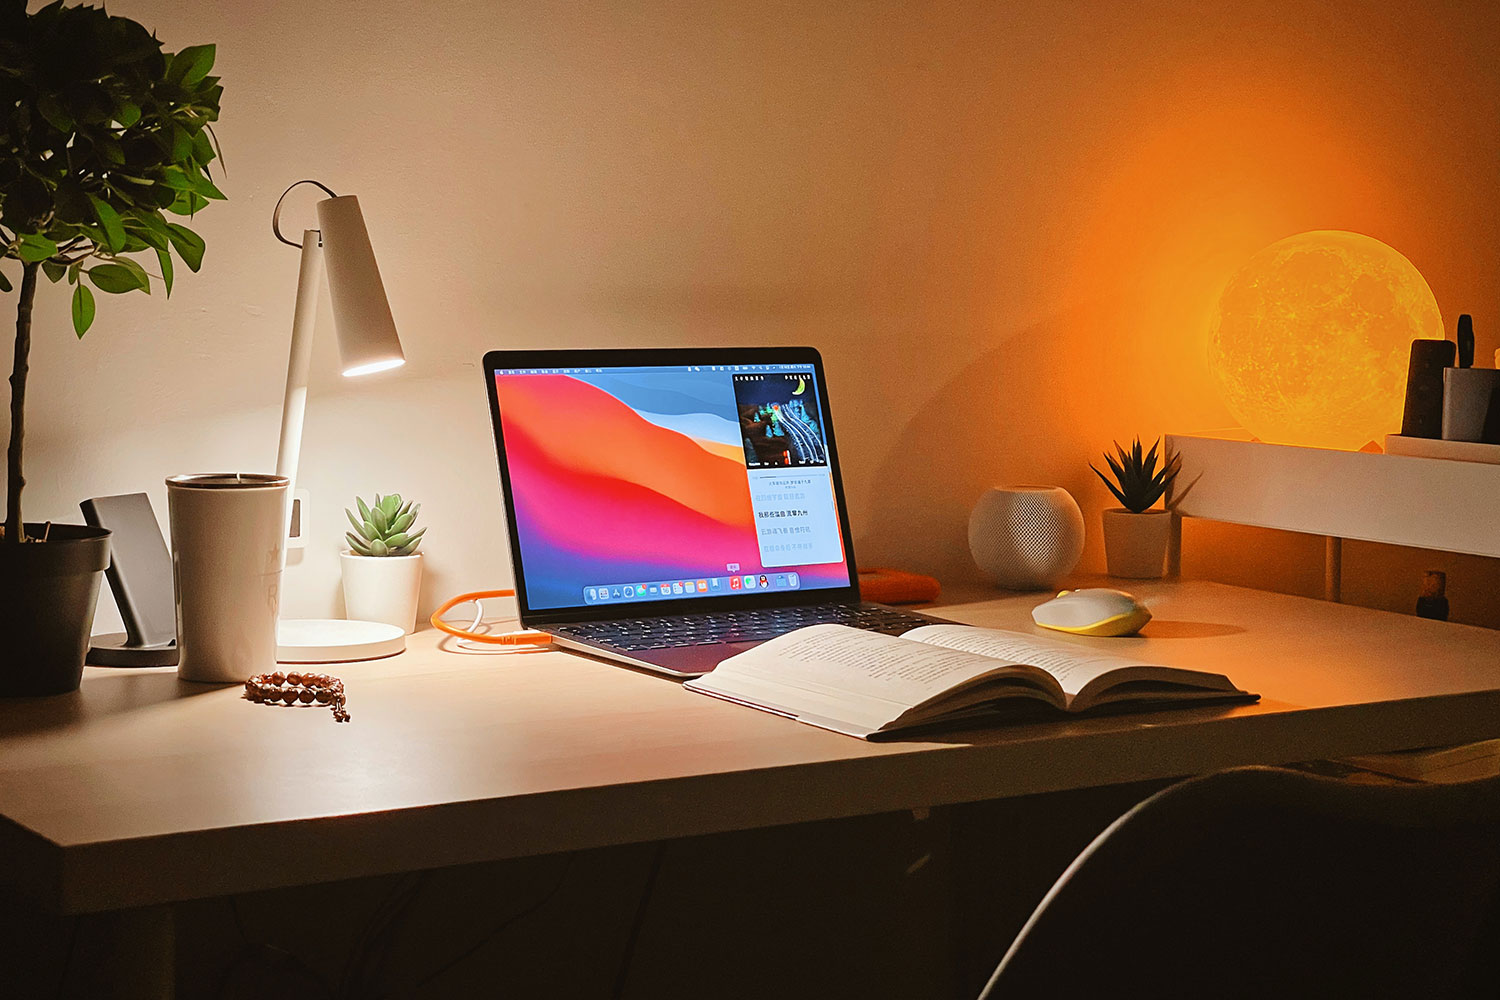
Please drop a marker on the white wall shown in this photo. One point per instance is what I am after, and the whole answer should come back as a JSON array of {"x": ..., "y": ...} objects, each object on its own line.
[{"x": 1003, "y": 224}]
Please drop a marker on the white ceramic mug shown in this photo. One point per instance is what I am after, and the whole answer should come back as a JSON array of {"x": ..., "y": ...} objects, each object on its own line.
[{"x": 228, "y": 543}]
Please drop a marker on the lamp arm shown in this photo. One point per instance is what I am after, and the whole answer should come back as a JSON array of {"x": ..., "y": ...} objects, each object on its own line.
[{"x": 294, "y": 403}]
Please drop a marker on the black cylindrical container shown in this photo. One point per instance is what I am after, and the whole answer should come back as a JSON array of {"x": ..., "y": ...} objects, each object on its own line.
[
  {"x": 1423, "y": 416},
  {"x": 47, "y": 595}
]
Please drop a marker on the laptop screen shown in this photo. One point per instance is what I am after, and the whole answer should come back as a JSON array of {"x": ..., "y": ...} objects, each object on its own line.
[{"x": 636, "y": 484}]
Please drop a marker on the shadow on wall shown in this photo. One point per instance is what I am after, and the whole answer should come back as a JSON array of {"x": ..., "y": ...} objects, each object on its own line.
[{"x": 989, "y": 425}]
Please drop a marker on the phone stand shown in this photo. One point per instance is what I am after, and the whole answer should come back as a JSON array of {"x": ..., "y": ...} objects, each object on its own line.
[{"x": 140, "y": 577}]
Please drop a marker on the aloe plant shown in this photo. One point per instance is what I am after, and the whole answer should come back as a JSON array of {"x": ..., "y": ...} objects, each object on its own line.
[
  {"x": 1138, "y": 482},
  {"x": 383, "y": 528}
]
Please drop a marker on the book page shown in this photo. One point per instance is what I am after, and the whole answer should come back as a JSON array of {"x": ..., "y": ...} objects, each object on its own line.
[
  {"x": 1073, "y": 666},
  {"x": 848, "y": 674},
  {"x": 868, "y": 663}
]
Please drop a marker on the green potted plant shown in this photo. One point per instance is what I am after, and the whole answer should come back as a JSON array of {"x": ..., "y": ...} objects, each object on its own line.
[
  {"x": 1135, "y": 534},
  {"x": 102, "y": 134},
  {"x": 382, "y": 568}
]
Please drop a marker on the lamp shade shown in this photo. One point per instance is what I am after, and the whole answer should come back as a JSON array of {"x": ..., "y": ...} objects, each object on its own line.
[{"x": 361, "y": 313}]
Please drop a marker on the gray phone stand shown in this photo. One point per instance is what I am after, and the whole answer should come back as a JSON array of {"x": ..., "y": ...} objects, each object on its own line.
[{"x": 140, "y": 577}]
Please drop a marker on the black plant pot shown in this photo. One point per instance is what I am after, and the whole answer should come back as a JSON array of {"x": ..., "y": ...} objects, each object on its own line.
[{"x": 47, "y": 596}]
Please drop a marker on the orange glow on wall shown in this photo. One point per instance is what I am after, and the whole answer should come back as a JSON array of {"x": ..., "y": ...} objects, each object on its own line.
[{"x": 1310, "y": 340}]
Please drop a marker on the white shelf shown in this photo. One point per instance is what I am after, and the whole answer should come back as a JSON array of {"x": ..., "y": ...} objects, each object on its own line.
[
  {"x": 1458, "y": 451},
  {"x": 1429, "y": 503}
]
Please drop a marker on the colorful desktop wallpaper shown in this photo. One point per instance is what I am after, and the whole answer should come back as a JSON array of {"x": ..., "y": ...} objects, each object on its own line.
[{"x": 629, "y": 477}]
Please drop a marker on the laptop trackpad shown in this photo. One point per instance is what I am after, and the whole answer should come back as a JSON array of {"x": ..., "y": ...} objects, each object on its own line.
[{"x": 693, "y": 660}]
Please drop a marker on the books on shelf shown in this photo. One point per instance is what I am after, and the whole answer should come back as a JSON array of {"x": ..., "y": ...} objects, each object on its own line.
[
  {"x": 1465, "y": 762},
  {"x": 868, "y": 684}
]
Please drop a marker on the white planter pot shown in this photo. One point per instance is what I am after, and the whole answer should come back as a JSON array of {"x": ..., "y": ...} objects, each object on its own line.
[
  {"x": 1135, "y": 545},
  {"x": 382, "y": 589}
]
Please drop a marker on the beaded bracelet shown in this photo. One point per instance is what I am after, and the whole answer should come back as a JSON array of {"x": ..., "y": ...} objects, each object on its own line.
[{"x": 300, "y": 689}]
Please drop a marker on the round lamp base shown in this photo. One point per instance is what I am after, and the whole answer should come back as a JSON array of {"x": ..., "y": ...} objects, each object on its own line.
[{"x": 335, "y": 640}]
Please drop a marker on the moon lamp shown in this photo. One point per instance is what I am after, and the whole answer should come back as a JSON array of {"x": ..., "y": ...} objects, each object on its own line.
[{"x": 1310, "y": 340}]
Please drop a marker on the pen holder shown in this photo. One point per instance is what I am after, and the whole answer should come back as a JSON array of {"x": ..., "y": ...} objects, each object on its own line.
[
  {"x": 228, "y": 541},
  {"x": 1471, "y": 405}
]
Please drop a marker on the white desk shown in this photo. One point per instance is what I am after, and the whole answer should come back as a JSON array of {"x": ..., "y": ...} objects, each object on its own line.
[{"x": 141, "y": 789}]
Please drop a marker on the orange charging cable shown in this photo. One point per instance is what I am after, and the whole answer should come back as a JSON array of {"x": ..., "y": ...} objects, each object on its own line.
[{"x": 527, "y": 637}]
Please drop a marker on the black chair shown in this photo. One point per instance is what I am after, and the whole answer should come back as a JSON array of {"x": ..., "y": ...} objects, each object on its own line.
[{"x": 1264, "y": 882}]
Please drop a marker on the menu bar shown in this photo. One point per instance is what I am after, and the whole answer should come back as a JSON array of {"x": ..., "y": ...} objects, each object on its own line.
[{"x": 800, "y": 367}]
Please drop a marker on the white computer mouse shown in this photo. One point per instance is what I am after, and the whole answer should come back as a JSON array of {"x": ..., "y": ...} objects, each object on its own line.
[{"x": 1092, "y": 611}]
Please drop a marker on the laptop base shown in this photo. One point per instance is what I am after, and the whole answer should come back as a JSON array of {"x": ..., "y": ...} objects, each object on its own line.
[{"x": 692, "y": 645}]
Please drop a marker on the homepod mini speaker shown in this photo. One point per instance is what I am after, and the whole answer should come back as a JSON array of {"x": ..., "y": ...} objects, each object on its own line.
[{"x": 1026, "y": 537}]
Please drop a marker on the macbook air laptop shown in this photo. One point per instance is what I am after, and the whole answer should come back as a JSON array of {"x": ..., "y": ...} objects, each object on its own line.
[{"x": 670, "y": 508}]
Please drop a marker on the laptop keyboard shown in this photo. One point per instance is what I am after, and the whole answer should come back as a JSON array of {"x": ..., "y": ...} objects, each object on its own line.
[{"x": 737, "y": 626}]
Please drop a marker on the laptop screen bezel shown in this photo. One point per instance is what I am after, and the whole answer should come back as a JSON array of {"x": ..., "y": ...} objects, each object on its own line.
[{"x": 666, "y": 358}]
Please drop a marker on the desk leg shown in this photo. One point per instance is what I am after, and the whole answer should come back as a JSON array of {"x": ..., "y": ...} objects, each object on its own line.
[{"x": 1333, "y": 569}]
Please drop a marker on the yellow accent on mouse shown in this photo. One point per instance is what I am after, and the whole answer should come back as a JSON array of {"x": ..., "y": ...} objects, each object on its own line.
[{"x": 1095, "y": 611}]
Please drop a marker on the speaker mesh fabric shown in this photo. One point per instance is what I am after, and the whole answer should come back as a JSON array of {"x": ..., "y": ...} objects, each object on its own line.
[{"x": 1026, "y": 537}]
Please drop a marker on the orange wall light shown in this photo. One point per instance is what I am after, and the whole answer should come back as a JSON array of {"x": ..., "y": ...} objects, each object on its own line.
[{"x": 1310, "y": 340}]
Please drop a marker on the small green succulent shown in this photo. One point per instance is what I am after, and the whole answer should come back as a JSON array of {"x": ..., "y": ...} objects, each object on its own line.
[
  {"x": 383, "y": 528},
  {"x": 1141, "y": 483}
]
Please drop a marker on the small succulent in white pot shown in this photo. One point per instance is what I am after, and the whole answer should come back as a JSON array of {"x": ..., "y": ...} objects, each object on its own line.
[
  {"x": 1135, "y": 535},
  {"x": 384, "y": 528},
  {"x": 383, "y": 569}
]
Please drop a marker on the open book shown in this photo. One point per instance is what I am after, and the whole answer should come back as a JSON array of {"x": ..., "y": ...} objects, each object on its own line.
[{"x": 867, "y": 683}]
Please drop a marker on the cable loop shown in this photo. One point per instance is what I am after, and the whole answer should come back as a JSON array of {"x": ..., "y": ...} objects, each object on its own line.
[
  {"x": 276, "y": 212},
  {"x": 526, "y": 637}
]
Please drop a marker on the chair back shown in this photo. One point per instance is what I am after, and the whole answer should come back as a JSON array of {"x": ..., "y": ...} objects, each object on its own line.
[{"x": 1266, "y": 882}]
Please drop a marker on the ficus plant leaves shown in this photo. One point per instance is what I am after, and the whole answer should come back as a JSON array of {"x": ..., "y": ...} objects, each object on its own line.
[
  {"x": 118, "y": 278},
  {"x": 83, "y": 309},
  {"x": 33, "y": 248},
  {"x": 188, "y": 244},
  {"x": 164, "y": 260},
  {"x": 113, "y": 225},
  {"x": 191, "y": 65},
  {"x": 110, "y": 121},
  {"x": 131, "y": 118}
]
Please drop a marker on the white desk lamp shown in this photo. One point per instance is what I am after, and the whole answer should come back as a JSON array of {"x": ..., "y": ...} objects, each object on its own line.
[{"x": 367, "y": 343}]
